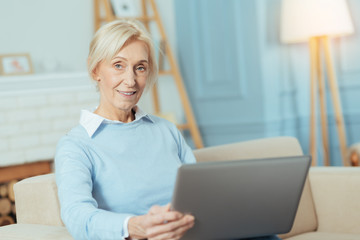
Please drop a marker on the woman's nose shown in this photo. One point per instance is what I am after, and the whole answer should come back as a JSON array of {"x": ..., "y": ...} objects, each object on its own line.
[{"x": 130, "y": 78}]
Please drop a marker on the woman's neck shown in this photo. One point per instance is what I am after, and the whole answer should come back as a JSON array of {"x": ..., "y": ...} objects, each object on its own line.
[{"x": 116, "y": 114}]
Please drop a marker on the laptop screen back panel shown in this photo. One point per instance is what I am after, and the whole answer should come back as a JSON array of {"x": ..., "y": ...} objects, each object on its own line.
[{"x": 236, "y": 199}]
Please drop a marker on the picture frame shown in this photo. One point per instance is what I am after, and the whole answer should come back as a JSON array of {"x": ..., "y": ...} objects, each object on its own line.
[
  {"x": 15, "y": 64},
  {"x": 125, "y": 8}
]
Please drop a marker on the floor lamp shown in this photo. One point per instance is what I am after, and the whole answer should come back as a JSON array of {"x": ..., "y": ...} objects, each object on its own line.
[{"x": 315, "y": 21}]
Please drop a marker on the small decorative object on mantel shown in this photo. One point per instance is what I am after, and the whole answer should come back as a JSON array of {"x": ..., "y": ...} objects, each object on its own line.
[
  {"x": 124, "y": 8},
  {"x": 15, "y": 64}
]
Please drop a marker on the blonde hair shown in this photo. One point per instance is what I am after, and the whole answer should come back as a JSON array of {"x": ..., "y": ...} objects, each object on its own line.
[{"x": 112, "y": 37}]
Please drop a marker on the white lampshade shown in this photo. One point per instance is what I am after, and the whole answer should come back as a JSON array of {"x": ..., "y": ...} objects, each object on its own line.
[{"x": 302, "y": 19}]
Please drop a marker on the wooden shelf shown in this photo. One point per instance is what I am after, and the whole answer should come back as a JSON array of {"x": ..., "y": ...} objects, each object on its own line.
[
  {"x": 17, "y": 172},
  {"x": 183, "y": 126},
  {"x": 162, "y": 72}
]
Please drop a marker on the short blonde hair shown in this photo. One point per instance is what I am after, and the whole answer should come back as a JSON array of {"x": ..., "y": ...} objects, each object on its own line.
[{"x": 112, "y": 37}]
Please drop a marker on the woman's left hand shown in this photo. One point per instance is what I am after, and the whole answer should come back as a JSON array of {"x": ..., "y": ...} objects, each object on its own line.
[{"x": 160, "y": 223}]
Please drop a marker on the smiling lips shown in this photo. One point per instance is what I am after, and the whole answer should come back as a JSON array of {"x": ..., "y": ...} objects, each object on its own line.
[{"x": 126, "y": 93}]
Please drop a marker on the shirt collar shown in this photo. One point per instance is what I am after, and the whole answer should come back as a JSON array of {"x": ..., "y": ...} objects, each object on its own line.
[{"x": 91, "y": 121}]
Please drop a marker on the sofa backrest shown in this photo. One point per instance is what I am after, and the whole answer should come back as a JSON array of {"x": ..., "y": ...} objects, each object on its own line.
[
  {"x": 305, "y": 220},
  {"x": 37, "y": 202}
]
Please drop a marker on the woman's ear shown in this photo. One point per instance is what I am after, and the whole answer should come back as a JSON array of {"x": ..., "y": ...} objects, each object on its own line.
[{"x": 94, "y": 75}]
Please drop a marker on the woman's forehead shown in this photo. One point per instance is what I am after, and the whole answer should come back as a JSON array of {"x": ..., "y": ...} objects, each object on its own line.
[{"x": 134, "y": 50}]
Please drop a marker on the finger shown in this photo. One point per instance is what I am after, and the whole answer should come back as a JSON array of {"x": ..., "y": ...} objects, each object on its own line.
[
  {"x": 159, "y": 209},
  {"x": 175, "y": 234},
  {"x": 155, "y": 209},
  {"x": 167, "y": 207},
  {"x": 170, "y": 226},
  {"x": 162, "y": 218}
]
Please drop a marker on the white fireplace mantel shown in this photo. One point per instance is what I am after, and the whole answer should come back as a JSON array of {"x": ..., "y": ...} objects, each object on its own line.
[
  {"x": 14, "y": 85},
  {"x": 37, "y": 110}
]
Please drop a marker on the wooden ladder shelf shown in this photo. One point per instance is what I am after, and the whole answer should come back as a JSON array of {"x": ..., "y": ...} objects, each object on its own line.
[{"x": 190, "y": 124}]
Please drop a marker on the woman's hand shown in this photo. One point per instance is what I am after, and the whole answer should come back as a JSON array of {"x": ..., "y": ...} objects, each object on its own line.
[{"x": 159, "y": 224}]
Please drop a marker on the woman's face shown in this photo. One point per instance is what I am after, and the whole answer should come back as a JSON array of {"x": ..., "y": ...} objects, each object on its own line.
[{"x": 122, "y": 80}]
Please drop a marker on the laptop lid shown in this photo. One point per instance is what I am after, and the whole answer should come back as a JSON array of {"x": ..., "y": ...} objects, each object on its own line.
[{"x": 239, "y": 199}]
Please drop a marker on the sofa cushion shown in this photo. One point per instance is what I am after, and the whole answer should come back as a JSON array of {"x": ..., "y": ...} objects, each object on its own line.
[
  {"x": 42, "y": 191},
  {"x": 325, "y": 236},
  {"x": 305, "y": 220},
  {"x": 337, "y": 198},
  {"x": 33, "y": 232}
]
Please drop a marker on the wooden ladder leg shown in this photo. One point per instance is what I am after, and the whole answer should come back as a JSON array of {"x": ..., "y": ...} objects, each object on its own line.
[
  {"x": 155, "y": 93},
  {"x": 323, "y": 112},
  {"x": 97, "y": 20},
  {"x": 194, "y": 131},
  {"x": 108, "y": 10},
  {"x": 313, "y": 89},
  {"x": 334, "y": 89},
  {"x": 155, "y": 97}
]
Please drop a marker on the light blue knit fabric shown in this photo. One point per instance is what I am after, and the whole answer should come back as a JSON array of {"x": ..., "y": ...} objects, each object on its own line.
[{"x": 121, "y": 170}]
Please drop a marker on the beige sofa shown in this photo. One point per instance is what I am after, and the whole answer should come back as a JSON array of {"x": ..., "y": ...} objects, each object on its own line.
[{"x": 329, "y": 208}]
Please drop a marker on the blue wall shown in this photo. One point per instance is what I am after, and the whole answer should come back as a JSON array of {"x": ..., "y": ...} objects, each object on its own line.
[{"x": 245, "y": 84}]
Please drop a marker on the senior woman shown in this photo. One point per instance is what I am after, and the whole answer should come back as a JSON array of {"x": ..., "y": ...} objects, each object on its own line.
[{"x": 116, "y": 170}]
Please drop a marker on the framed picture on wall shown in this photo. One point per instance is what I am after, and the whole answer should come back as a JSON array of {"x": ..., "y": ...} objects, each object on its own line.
[
  {"x": 125, "y": 8},
  {"x": 15, "y": 64}
]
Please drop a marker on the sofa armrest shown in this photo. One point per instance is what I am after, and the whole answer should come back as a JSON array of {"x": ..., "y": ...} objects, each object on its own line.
[
  {"x": 37, "y": 202},
  {"x": 336, "y": 197}
]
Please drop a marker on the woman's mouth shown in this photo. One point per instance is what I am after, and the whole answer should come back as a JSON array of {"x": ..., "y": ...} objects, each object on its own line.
[{"x": 126, "y": 93}]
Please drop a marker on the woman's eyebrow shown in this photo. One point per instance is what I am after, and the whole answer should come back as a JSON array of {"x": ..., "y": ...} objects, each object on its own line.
[
  {"x": 143, "y": 61},
  {"x": 122, "y": 58},
  {"x": 117, "y": 57}
]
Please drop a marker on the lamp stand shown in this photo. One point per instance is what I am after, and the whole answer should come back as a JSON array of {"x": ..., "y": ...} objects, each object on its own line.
[{"x": 317, "y": 84}]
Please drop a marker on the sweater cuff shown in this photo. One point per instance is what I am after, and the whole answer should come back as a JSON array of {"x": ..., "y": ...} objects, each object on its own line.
[{"x": 125, "y": 227}]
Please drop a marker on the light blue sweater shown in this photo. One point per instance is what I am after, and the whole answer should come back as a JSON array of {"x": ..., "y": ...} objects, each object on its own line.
[{"x": 116, "y": 171}]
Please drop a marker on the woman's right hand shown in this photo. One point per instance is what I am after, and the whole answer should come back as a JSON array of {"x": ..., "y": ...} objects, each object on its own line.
[{"x": 160, "y": 223}]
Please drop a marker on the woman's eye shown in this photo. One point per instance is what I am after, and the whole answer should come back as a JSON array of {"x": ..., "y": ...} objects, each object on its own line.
[
  {"x": 118, "y": 66},
  {"x": 141, "y": 68}
]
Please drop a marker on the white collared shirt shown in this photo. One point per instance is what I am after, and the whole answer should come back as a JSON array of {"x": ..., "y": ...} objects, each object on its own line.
[{"x": 91, "y": 121}]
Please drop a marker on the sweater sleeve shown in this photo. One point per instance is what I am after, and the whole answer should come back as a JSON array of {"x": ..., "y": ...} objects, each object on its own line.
[
  {"x": 79, "y": 210},
  {"x": 185, "y": 152}
]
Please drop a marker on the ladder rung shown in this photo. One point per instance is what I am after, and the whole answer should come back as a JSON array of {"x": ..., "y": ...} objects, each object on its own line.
[
  {"x": 145, "y": 19},
  {"x": 183, "y": 126},
  {"x": 165, "y": 72},
  {"x": 103, "y": 19}
]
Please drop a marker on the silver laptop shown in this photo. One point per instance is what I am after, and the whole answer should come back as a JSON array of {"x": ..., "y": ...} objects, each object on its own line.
[{"x": 240, "y": 199}]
